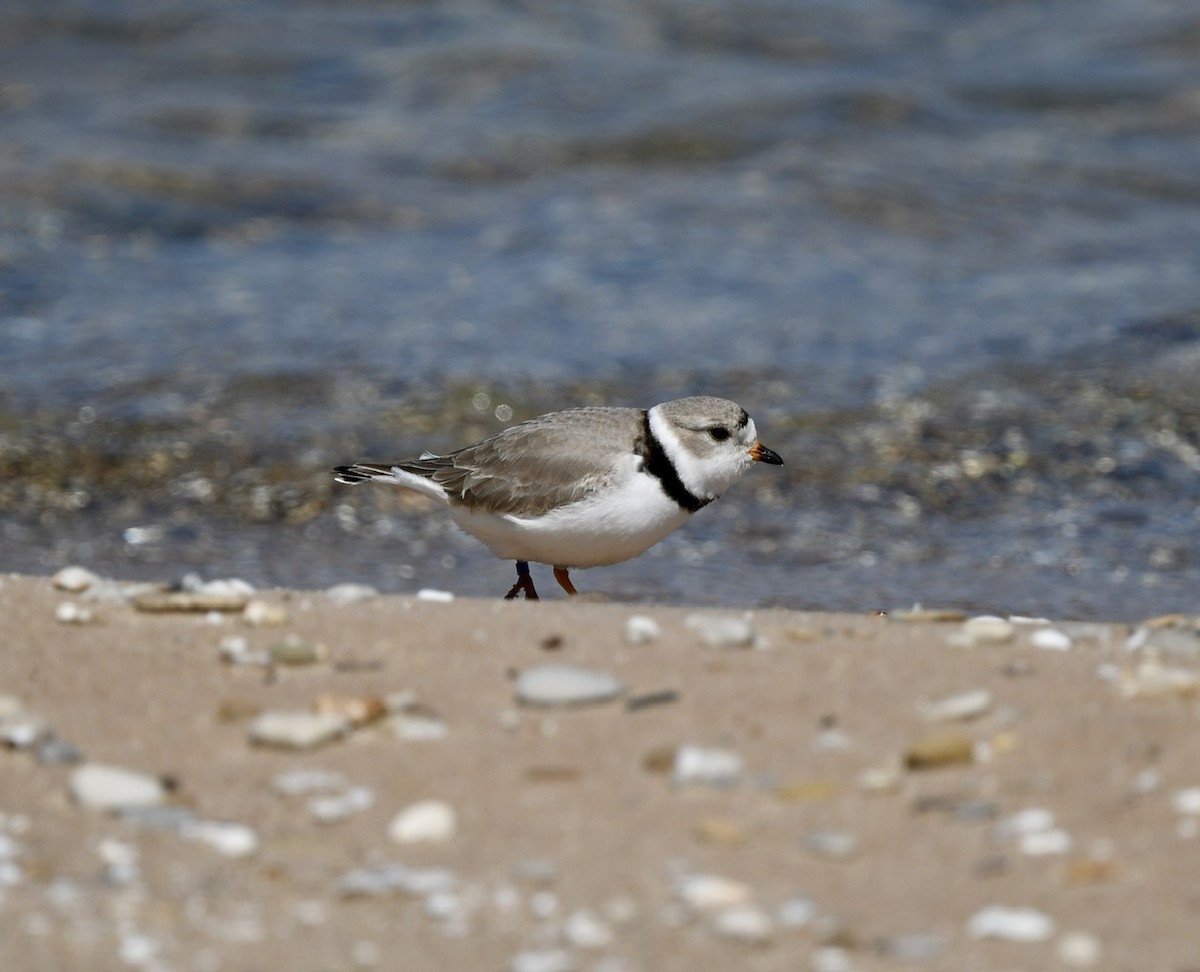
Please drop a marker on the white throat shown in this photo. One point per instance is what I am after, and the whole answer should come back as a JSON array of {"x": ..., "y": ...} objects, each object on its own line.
[{"x": 705, "y": 477}]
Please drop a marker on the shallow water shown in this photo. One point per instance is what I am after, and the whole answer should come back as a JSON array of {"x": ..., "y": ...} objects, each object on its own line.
[{"x": 947, "y": 255}]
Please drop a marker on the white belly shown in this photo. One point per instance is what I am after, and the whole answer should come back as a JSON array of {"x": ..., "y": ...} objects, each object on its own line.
[{"x": 603, "y": 529}]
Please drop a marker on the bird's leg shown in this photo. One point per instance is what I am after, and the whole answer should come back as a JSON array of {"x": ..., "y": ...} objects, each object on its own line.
[
  {"x": 564, "y": 580},
  {"x": 524, "y": 583}
]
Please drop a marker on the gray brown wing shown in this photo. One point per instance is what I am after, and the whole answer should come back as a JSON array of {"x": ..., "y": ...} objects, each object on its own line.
[{"x": 541, "y": 464}]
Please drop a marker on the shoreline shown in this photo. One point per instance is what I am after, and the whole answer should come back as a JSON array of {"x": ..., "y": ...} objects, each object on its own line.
[{"x": 764, "y": 788}]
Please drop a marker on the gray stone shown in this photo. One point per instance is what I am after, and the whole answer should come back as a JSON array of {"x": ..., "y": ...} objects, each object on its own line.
[
  {"x": 426, "y": 821},
  {"x": 336, "y": 807},
  {"x": 56, "y": 752},
  {"x": 344, "y": 594},
  {"x": 23, "y": 730},
  {"x": 746, "y": 923},
  {"x": 641, "y": 629},
  {"x": 713, "y": 767},
  {"x": 554, "y": 685},
  {"x": 74, "y": 579},
  {"x": 1010, "y": 924},
  {"x": 396, "y": 878},
  {"x": 833, "y": 844},
  {"x": 296, "y": 730},
  {"x": 965, "y": 705},
  {"x": 103, "y": 787},
  {"x": 544, "y": 960},
  {"x": 917, "y": 947},
  {"x": 722, "y": 631},
  {"x": 712, "y": 892},
  {"x": 226, "y": 838}
]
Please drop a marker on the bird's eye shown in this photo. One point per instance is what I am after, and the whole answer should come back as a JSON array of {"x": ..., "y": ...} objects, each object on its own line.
[{"x": 719, "y": 433}]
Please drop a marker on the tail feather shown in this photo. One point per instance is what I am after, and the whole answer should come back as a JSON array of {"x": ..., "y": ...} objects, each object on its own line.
[
  {"x": 416, "y": 475},
  {"x": 361, "y": 472}
]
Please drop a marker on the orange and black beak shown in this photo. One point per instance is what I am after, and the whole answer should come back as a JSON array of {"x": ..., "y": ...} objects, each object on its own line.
[{"x": 760, "y": 453}]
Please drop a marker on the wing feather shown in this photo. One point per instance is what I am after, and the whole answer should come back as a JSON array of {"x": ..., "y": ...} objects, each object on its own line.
[{"x": 539, "y": 465}]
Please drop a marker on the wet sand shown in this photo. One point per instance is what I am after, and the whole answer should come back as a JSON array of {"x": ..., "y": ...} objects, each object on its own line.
[{"x": 574, "y": 846}]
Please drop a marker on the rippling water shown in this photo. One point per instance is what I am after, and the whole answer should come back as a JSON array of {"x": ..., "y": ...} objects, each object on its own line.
[{"x": 947, "y": 254}]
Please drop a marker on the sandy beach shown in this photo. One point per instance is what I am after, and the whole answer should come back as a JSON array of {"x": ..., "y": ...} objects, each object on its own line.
[{"x": 765, "y": 790}]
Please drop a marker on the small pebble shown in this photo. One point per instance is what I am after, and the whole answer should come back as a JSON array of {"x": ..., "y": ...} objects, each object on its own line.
[
  {"x": 56, "y": 752},
  {"x": 919, "y": 613},
  {"x": 1080, "y": 950},
  {"x": 1051, "y": 639},
  {"x": 945, "y": 748},
  {"x": 120, "y": 861},
  {"x": 965, "y": 705},
  {"x": 159, "y": 602},
  {"x": 296, "y": 730},
  {"x": 435, "y": 596},
  {"x": 1153, "y": 679},
  {"x": 1031, "y": 820},
  {"x": 711, "y": 892},
  {"x": 983, "y": 630},
  {"x": 831, "y": 844},
  {"x": 1010, "y": 924},
  {"x": 235, "y": 650},
  {"x": 1045, "y": 843},
  {"x": 23, "y": 730},
  {"x": 701, "y": 765},
  {"x": 1176, "y": 637},
  {"x": 641, "y": 629},
  {"x": 345, "y": 594},
  {"x": 390, "y": 878},
  {"x": 833, "y": 740},
  {"x": 102, "y": 787},
  {"x": 337, "y": 807},
  {"x": 263, "y": 614},
  {"x": 585, "y": 929},
  {"x": 544, "y": 960},
  {"x": 916, "y": 948},
  {"x": 446, "y": 906},
  {"x": 553, "y": 685},
  {"x": 881, "y": 780},
  {"x": 975, "y": 811},
  {"x": 621, "y": 909},
  {"x": 722, "y": 631},
  {"x": 832, "y": 959},
  {"x": 649, "y": 700},
  {"x": 293, "y": 651},
  {"x": 746, "y": 923},
  {"x": 1150, "y": 781},
  {"x": 74, "y": 580},
  {"x": 797, "y": 912},
  {"x": 1187, "y": 801},
  {"x": 543, "y": 904},
  {"x": 427, "y": 821},
  {"x": 160, "y": 817},
  {"x": 71, "y": 613},
  {"x": 414, "y": 727},
  {"x": 221, "y": 587},
  {"x": 300, "y": 782},
  {"x": 228, "y": 839},
  {"x": 357, "y": 710}
]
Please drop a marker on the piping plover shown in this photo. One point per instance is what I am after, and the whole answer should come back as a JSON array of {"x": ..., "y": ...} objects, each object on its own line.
[{"x": 587, "y": 486}]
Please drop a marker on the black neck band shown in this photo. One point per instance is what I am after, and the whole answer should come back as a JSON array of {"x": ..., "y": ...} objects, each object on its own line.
[{"x": 658, "y": 464}]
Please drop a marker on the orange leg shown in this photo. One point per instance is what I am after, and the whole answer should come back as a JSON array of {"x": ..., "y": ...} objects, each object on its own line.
[
  {"x": 564, "y": 581},
  {"x": 524, "y": 583}
]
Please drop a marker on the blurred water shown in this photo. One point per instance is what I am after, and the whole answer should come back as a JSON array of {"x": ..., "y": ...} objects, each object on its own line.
[{"x": 240, "y": 242}]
